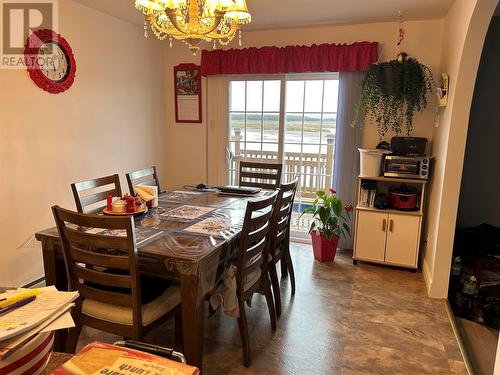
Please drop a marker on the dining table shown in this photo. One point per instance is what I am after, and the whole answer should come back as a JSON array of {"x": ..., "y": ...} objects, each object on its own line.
[{"x": 190, "y": 237}]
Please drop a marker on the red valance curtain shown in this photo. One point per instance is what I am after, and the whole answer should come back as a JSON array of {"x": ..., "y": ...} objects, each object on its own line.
[{"x": 291, "y": 59}]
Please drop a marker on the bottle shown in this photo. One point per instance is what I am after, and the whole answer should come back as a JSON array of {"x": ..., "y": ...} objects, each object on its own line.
[
  {"x": 109, "y": 201},
  {"x": 455, "y": 281},
  {"x": 456, "y": 267}
]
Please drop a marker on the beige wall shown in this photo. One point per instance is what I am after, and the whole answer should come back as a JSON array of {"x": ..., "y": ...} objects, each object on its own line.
[
  {"x": 110, "y": 121},
  {"x": 465, "y": 28},
  {"x": 187, "y": 143}
]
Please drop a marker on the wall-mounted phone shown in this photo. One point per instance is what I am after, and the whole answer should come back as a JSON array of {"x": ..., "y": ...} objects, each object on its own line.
[{"x": 442, "y": 91}]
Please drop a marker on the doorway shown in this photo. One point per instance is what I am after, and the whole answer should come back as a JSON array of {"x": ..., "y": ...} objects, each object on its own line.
[{"x": 474, "y": 290}]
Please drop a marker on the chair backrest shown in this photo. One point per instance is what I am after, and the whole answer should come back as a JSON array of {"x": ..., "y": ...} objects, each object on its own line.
[
  {"x": 146, "y": 176},
  {"x": 253, "y": 249},
  {"x": 101, "y": 267},
  {"x": 90, "y": 196},
  {"x": 280, "y": 221},
  {"x": 263, "y": 175}
]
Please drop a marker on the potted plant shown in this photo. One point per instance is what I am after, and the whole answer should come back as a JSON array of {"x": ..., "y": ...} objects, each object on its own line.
[
  {"x": 392, "y": 92},
  {"x": 330, "y": 222}
]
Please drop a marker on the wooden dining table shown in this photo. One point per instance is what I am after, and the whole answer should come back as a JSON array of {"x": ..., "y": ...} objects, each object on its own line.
[{"x": 190, "y": 237}]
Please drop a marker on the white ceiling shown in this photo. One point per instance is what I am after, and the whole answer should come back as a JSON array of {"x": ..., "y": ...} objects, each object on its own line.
[{"x": 285, "y": 13}]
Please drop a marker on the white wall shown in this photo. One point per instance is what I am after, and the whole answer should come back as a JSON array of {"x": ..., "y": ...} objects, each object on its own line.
[
  {"x": 479, "y": 198},
  {"x": 110, "y": 121},
  {"x": 187, "y": 143},
  {"x": 465, "y": 28}
]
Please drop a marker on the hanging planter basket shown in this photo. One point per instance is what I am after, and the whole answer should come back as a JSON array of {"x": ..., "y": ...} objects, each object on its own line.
[{"x": 392, "y": 92}]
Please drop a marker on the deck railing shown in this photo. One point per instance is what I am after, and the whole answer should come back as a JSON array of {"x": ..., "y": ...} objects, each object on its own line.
[{"x": 314, "y": 169}]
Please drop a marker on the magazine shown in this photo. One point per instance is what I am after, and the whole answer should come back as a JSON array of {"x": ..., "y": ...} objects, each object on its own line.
[{"x": 100, "y": 358}]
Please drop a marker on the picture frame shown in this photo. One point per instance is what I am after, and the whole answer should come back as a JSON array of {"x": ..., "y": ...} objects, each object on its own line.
[{"x": 187, "y": 90}]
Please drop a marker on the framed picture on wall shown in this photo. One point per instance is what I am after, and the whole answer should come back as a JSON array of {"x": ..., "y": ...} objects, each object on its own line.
[{"x": 187, "y": 80}]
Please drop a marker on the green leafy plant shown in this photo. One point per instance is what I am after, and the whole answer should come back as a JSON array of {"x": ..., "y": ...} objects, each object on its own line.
[
  {"x": 392, "y": 92},
  {"x": 330, "y": 217}
]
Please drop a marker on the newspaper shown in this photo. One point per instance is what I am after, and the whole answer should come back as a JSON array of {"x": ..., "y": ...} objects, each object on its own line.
[{"x": 48, "y": 303}]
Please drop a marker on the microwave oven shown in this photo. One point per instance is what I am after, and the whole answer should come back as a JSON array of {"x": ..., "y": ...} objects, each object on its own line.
[{"x": 406, "y": 166}]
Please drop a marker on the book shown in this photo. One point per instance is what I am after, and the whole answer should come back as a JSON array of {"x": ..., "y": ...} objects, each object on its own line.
[
  {"x": 372, "y": 195},
  {"x": 100, "y": 358}
]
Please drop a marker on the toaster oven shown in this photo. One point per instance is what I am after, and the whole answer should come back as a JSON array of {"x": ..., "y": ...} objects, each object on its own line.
[{"x": 406, "y": 166}]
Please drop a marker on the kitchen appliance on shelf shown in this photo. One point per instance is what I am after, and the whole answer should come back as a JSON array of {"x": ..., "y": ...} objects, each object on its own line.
[
  {"x": 406, "y": 166},
  {"x": 414, "y": 146},
  {"x": 407, "y": 158},
  {"x": 404, "y": 198}
]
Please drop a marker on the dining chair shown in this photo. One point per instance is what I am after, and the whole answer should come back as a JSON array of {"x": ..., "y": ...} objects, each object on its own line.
[
  {"x": 262, "y": 175},
  {"x": 279, "y": 239},
  {"x": 252, "y": 261},
  {"x": 146, "y": 176},
  {"x": 103, "y": 269},
  {"x": 90, "y": 196}
]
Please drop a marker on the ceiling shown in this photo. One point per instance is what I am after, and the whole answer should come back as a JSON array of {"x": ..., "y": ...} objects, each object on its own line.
[{"x": 286, "y": 13}]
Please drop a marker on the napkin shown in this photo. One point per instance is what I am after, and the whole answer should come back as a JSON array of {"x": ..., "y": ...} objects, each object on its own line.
[{"x": 148, "y": 193}]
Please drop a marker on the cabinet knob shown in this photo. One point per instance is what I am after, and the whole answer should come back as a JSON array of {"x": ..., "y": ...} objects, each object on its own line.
[
  {"x": 384, "y": 223},
  {"x": 391, "y": 225}
]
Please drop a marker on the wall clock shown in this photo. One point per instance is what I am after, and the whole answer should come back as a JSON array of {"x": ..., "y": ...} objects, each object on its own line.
[{"x": 50, "y": 61}]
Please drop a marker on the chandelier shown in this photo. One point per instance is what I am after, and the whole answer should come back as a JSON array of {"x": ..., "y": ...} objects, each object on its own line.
[{"x": 194, "y": 21}]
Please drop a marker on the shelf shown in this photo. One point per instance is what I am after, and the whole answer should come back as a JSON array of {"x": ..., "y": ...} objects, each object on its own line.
[
  {"x": 389, "y": 211},
  {"x": 395, "y": 179}
]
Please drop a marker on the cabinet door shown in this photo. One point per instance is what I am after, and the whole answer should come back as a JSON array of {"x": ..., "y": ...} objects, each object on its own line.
[
  {"x": 403, "y": 235},
  {"x": 371, "y": 230}
]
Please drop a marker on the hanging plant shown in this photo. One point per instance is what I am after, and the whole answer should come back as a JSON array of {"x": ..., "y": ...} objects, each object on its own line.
[{"x": 392, "y": 92}]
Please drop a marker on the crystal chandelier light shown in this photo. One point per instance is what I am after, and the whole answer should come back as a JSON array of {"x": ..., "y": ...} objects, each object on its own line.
[{"x": 194, "y": 21}]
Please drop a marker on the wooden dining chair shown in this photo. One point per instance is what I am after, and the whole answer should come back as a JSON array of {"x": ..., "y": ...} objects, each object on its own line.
[
  {"x": 103, "y": 269},
  {"x": 262, "y": 175},
  {"x": 90, "y": 196},
  {"x": 279, "y": 239},
  {"x": 252, "y": 273},
  {"x": 146, "y": 176}
]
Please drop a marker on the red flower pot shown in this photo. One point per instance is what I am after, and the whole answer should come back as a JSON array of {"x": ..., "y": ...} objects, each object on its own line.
[{"x": 324, "y": 249}]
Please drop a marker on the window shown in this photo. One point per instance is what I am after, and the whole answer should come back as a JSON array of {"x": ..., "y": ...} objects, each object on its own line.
[{"x": 290, "y": 119}]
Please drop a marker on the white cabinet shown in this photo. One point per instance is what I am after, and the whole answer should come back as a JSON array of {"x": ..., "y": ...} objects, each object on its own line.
[
  {"x": 403, "y": 233},
  {"x": 371, "y": 235},
  {"x": 388, "y": 236}
]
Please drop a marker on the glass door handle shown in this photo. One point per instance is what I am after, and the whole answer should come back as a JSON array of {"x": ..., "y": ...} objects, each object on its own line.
[{"x": 229, "y": 155}]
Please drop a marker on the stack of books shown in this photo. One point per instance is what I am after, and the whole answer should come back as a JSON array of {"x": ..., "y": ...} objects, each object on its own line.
[
  {"x": 367, "y": 195},
  {"x": 28, "y": 318},
  {"x": 100, "y": 358}
]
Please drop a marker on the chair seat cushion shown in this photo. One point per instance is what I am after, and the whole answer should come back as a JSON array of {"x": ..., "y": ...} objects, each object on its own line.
[
  {"x": 151, "y": 311},
  {"x": 252, "y": 278}
]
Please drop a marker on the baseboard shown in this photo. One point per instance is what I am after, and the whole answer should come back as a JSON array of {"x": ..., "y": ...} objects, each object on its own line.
[
  {"x": 427, "y": 276},
  {"x": 35, "y": 282},
  {"x": 460, "y": 341}
]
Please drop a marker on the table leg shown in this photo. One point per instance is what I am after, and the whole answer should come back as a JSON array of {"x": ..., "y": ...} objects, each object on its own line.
[
  {"x": 55, "y": 274},
  {"x": 192, "y": 320}
]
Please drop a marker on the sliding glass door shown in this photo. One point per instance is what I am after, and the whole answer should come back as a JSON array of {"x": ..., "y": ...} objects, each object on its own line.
[
  {"x": 289, "y": 119},
  {"x": 254, "y": 122}
]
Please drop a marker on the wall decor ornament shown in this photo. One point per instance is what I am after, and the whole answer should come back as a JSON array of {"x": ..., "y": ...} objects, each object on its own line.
[
  {"x": 50, "y": 61},
  {"x": 187, "y": 86}
]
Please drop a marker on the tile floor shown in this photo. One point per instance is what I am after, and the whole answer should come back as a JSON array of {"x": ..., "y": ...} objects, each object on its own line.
[{"x": 344, "y": 319}]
